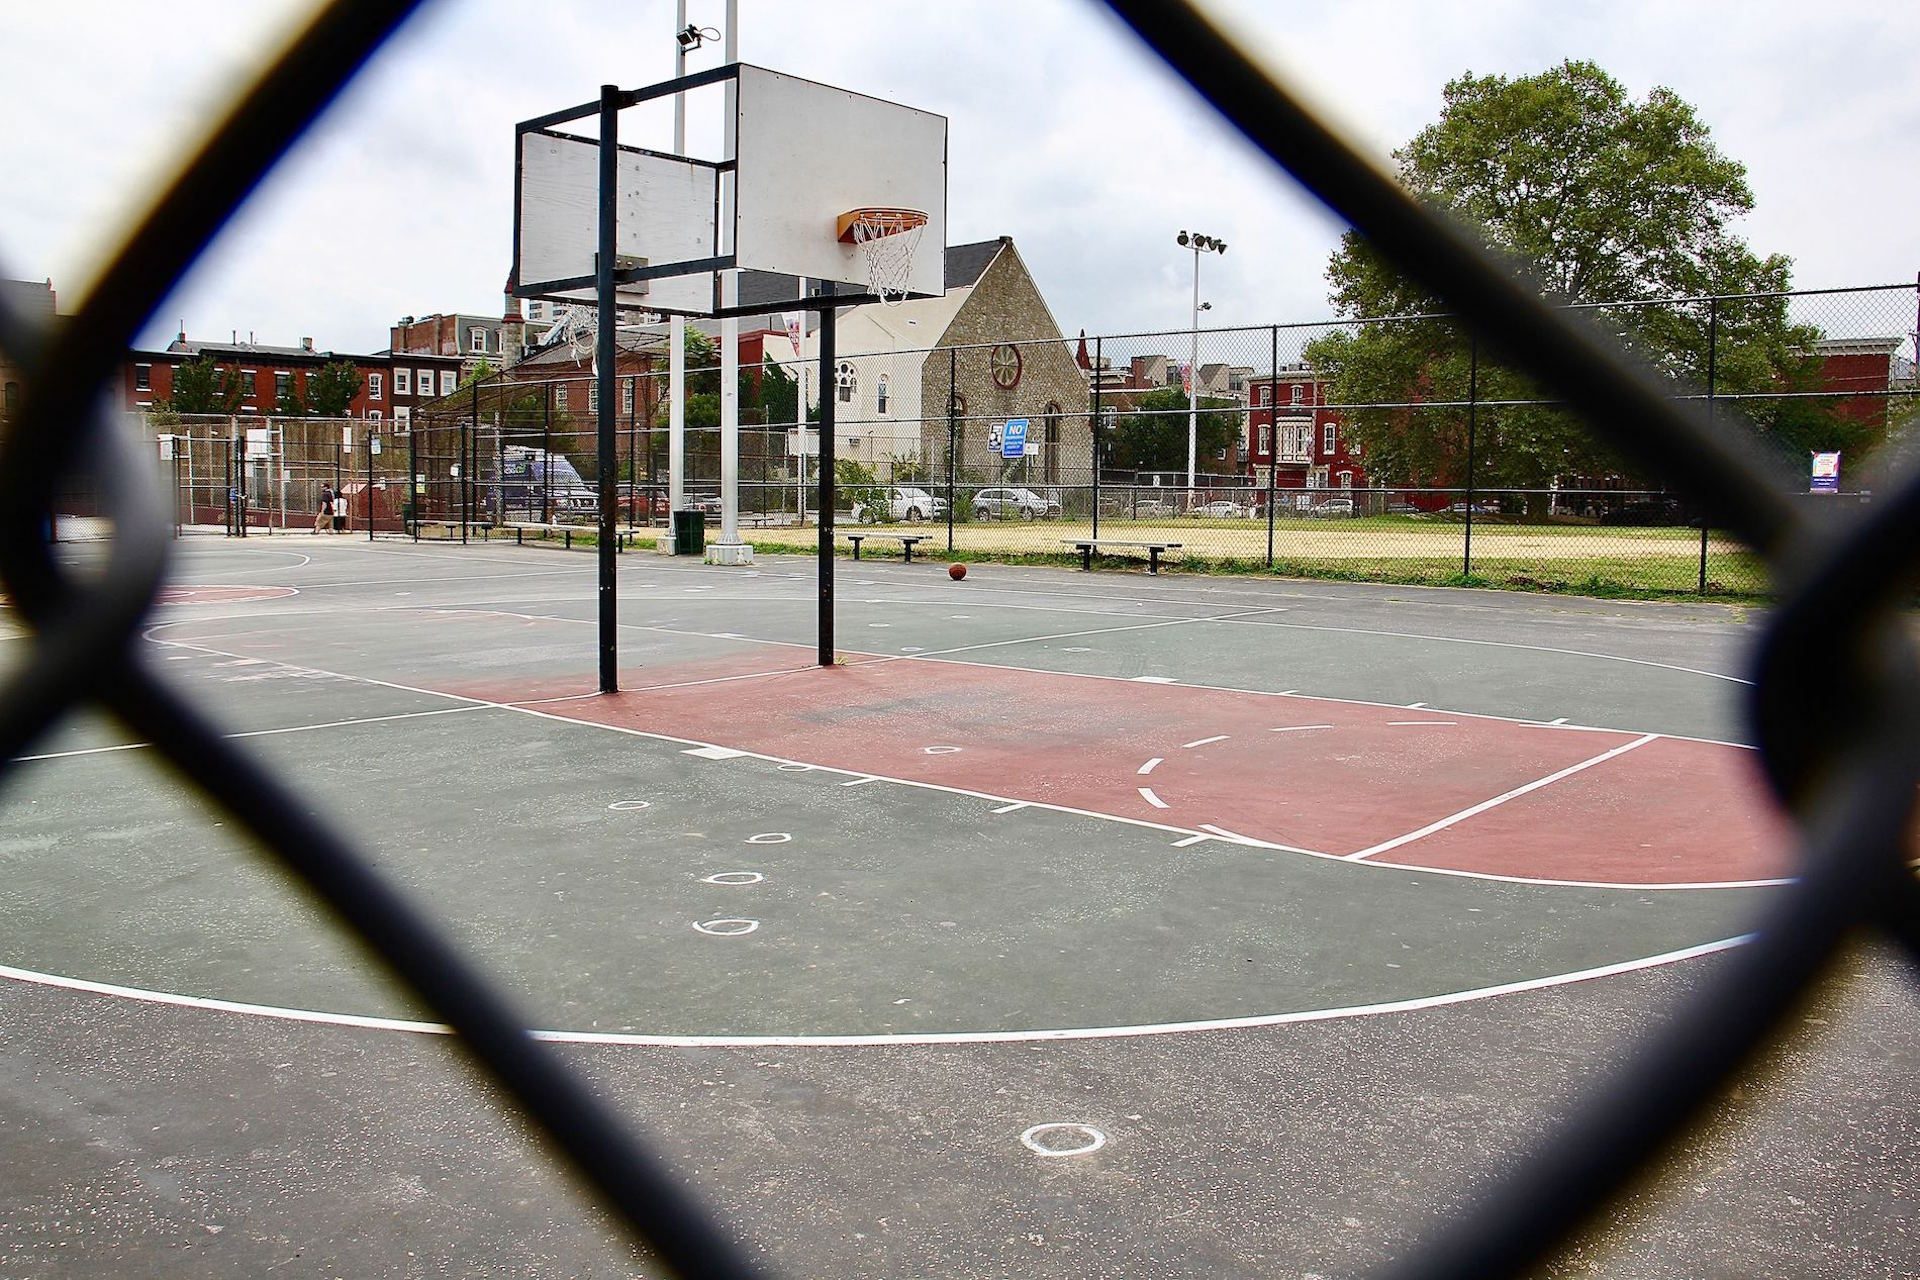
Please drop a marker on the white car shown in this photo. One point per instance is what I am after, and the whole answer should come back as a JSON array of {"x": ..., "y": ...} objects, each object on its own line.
[
  {"x": 1331, "y": 508},
  {"x": 1223, "y": 511},
  {"x": 904, "y": 503},
  {"x": 1002, "y": 504}
]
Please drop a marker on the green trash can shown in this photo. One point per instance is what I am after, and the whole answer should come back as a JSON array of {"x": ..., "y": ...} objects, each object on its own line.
[{"x": 689, "y": 533}]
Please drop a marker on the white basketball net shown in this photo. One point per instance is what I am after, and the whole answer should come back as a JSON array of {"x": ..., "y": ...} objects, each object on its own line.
[{"x": 888, "y": 250}]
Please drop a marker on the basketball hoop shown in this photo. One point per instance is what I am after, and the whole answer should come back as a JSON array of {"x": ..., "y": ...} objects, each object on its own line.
[{"x": 887, "y": 238}]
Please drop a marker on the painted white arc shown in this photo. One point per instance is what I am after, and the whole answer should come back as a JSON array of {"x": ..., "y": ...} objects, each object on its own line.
[{"x": 1414, "y": 1004}]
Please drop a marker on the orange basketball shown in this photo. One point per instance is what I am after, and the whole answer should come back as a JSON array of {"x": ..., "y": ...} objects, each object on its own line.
[{"x": 956, "y": 571}]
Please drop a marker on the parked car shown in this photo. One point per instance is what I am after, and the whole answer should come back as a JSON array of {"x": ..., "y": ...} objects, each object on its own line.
[
  {"x": 1331, "y": 508},
  {"x": 1656, "y": 511},
  {"x": 1151, "y": 509},
  {"x": 903, "y": 503},
  {"x": 1478, "y": 508},
  {"x": 1003, "y": 504},
  {"x": 1222, "y": 510}
]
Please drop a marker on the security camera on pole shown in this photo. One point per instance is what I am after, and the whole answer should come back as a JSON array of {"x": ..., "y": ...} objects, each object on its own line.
[{"x": 1197, "y": 242}]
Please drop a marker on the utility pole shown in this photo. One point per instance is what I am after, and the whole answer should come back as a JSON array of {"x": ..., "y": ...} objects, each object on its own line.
[
  {"x": 677, "y": 326},
  {"x": 730, "y": 549},
  {"x": 1197, "y": 242}
]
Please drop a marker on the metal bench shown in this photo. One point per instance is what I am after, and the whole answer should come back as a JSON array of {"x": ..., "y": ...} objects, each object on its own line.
[
  {"x": 1087, "y": 546},
  {"x": 621, "y": 537},
  {"x": 906, "y": 541}
]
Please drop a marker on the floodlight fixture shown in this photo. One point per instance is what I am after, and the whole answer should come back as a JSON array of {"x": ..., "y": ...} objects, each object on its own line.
[
  {"x": 693, "y": 37},
  {"x": 1182, "y": 237}
]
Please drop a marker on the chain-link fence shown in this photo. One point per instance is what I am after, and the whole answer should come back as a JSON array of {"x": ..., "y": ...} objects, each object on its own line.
[
  {"x": 1835, "y": 702},
  {"x": 1390, "y": 449}
]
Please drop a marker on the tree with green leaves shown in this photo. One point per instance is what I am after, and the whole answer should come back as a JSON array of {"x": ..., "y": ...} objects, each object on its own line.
[
  {"x": 1593, "y": 197},
  {"x": 200, "y": 385},
  {"x": 331, "y": 389},
  {"x": 1152, "y": 436},
  {"x": 766, "y": 400}
]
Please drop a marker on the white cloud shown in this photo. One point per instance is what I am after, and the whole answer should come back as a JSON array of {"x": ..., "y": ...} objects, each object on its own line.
[{"x": 1065, "y": 135}]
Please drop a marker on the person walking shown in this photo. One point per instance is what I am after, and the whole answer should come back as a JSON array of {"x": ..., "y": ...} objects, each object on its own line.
[
  {"x": 323, "y": 516},
  {"x": 340, "y": 511}
]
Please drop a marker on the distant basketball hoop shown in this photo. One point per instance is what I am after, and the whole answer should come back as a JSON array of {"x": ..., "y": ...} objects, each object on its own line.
[{"x": 887, "y": 238}]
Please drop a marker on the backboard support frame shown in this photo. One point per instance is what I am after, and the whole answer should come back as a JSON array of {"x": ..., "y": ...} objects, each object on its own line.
[{"x": 579, "y": 283}]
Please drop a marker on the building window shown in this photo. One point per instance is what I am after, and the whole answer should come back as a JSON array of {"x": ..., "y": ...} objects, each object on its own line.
[
  {"x": 845, "y": 383},
  {"x": 1296, "y": 393},
  {"x": 402, "y": 416},
  {"x": 282, "y": 386},
  {"x": 1327, "y": 440},
  {"x": 373, "y": 415},
  {"x": 626, "y": 398},
  {"x": 593, "y": 397},
  {"x": 446, "y": 382},
  {"x": 1346, "y": 479},
  {"x": 477, "y": 338},
  {"x": 142, "y": 377},
  {"x": 560, "y": 399},
  {"x": 1265, "y": 447},
  {"x": 403, "y": 382},
  {"x": 424, "y": 381},
  {"x": 957, "y": 405},
  {"x": 376, "y": 386},
  {"x": 881, "y": 386},
  {"x": 247, "y": 378},
  {"x": 1266, "y": 394},
  {"x": 1295, "y": 441}
]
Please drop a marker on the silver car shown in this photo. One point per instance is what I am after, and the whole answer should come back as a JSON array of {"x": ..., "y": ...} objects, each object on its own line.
[{"x": 1004, "y": 504}]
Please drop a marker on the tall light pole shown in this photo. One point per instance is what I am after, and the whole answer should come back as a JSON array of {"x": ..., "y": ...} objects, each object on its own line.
[{"x": 1197, "y": 242}]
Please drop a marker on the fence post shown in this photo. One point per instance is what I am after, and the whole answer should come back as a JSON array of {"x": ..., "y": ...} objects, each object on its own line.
[
  {"x": 1473, "y": 405},
  {"x": 546, "y": 453},
  {"x": 413, "y": 479},
  {"x": 462, "y": 491},
  {"x": 369, "y": 490},
  {"x": 1713, "y": 377},
  {"x": 953, "y": 435},
  {"x": 1273, "y": 429},
  {"x": 1094, "y": 434}
]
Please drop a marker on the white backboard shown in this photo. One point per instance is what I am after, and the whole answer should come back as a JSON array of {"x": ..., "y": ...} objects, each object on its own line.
[
  {"x": 667, "y": 206},
  {"x": 810, "y": 152}
]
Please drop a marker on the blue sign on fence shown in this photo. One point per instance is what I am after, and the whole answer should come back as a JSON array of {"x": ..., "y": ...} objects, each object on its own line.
[{"x": 1013, "y": 438}]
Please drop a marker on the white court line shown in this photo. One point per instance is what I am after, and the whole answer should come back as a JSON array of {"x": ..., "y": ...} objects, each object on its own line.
[
  {"x": 857, "y": 782},
  {"x": 1201, "y": 742},
  {"x": 1146, "y": 793},
  {"x": 1009, "y": 808},
  {"x": 1298, "y": 728},
  {"x": 1399, "y": 724},
  {"x": 257, "y": 733},
  {"x": 1412, "y": 1005},
  {"x": 1190, "y": 840},
  {"x": 1503, "y": 797},
  {"x": 1150, "y": 765}
]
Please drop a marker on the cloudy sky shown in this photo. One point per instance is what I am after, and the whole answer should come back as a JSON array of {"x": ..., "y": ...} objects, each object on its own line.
[{"x": 1063, "y": 135}]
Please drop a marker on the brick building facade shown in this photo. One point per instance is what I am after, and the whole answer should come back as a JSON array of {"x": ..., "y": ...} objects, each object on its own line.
[{"x": 1292, "y": 434}]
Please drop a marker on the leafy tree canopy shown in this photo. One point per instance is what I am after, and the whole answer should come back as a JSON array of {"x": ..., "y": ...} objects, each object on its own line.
[
  {"x": 331, "y": 389},
  {"x": 200, "y": 385},
  {"x": 1152, "y": 436},
  {"x": 1595, "y": 198}
]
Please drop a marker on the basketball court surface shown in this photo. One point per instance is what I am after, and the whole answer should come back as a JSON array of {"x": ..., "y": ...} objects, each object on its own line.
[{"x": 1073, "y": 924}]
